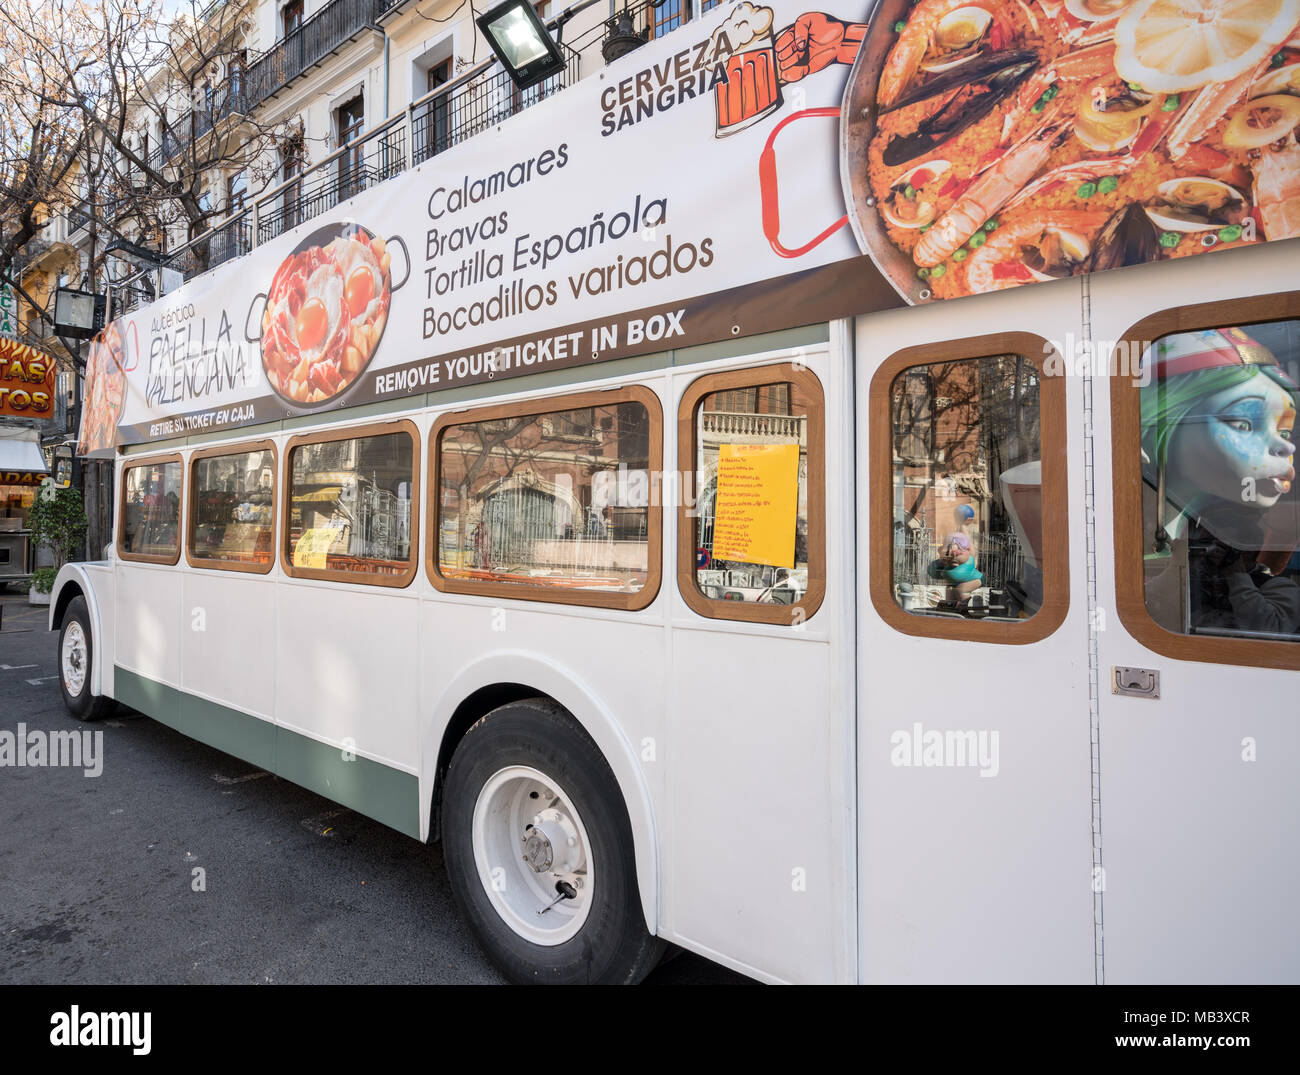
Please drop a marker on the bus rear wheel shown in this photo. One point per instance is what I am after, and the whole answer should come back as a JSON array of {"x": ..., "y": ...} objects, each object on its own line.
[
  {"x": 76, "y": 647},
  {"x": 538, "y": 848}
]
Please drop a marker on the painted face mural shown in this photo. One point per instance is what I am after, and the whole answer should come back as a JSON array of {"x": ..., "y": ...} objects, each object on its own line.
[
  {"x": 1239, "y": 448},
  {"x": 1217, "y": 417},
  {"x": 1219, "y": 515}
]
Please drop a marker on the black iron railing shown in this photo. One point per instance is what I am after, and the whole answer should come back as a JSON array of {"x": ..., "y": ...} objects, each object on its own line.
[
  {"x": 80, "y": 215},
  {"x": 366, "y": 163},
  {"x": 474, "y": 106},
  {"x": 332, "y": 26}
]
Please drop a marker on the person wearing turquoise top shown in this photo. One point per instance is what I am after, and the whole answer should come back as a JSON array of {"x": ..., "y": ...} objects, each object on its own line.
[{"x": 956, "y": 565}]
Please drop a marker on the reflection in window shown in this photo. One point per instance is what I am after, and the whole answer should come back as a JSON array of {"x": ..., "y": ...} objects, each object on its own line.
[
  {"x": 967, "y": 489},
  {"x": 234, "y": 509},
  {"x": 151, "y": 512},
  {"x": 557, "y": 500},
  {"x": 350, "y": 505},
  {"x": 751, "y": 538},
  {"x": 1220, "y": 518}
]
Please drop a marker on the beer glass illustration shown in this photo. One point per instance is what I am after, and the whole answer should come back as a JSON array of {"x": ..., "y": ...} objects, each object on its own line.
[{"x": 751, "y": 90}]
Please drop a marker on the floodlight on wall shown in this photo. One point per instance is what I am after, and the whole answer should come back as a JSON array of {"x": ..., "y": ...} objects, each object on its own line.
[
  {"x": 521, "y": 42},
  {"x": 78, "y": 314}
]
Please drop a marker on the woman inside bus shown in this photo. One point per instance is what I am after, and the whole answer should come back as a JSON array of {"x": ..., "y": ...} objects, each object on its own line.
[{"x": 1217, "y": 419}]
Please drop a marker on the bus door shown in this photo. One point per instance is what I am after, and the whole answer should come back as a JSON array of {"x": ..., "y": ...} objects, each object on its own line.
[
  {"x": 974, "y": 793},
  {"x": 1198, "y": 617},
  {"x": 758, "y": 825}
]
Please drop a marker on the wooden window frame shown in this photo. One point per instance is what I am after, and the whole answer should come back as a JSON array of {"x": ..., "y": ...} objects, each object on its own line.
[
  {"x": 1053, "y": 455},
  {"x": 216, "y": 452},
  {"x": 143, "y": 558},
  {"x": 358, "y": 578},
  {"x": 1126, "y": 477},
  {"x": 518, "y": 591},
  {"x": 755, "y": 377}
]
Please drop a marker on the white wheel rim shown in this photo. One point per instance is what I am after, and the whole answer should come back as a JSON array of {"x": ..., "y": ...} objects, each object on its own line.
[
  {"x": 527, "y": 837},
  {"x": 73, "y": 658}
]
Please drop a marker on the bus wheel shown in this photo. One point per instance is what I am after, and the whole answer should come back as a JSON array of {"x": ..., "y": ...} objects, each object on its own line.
[
  {"x": 539, "y": 850},
  {"x": 75, "y": 650}
]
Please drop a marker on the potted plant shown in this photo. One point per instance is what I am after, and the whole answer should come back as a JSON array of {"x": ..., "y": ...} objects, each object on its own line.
[{"x": 57, "y": 521}]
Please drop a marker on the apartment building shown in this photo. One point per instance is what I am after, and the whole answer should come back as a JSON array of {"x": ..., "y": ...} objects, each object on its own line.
[{"x": 298, "y": 105}]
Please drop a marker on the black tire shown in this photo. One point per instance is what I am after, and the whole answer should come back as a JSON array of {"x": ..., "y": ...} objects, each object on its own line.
[
  {"x": 613, "y": 946},
  {"x": 83, "y": 705}
]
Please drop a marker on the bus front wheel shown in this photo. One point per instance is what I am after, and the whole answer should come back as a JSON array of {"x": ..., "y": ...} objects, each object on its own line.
[
  {"x": 538, "y": 848},
  {"x": 76, "y": 647}
]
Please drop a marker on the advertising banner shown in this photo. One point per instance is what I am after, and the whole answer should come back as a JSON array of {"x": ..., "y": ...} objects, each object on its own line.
[
  {"x": 26, "y": 381},
  {"x": 764, "y": 167}
]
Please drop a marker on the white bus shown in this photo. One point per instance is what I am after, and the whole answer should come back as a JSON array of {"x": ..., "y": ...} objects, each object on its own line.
[
  {"x": 834, "y": 608},
  {"x": 492, "y": 621}
]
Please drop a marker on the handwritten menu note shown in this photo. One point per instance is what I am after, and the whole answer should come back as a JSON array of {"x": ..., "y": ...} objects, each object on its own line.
[
  {"x": 313, "y": 547},
  {"x": 758, "y": 499}
]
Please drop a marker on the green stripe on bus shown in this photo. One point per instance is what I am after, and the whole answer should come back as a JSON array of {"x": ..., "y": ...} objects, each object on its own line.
[{"x": 378, "y": 791}]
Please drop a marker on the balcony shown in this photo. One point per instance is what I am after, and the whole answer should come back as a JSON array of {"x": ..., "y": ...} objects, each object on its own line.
[
  {"x": 79, "y": 216},
  {"x": 472, "y": 103},
  {"x": 329, "y": 29}
]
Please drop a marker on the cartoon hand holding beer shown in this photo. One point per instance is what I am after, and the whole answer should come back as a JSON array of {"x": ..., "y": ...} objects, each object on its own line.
[
  {"x": 759, "y": 65},
  {"x": 815, "y": 41}
]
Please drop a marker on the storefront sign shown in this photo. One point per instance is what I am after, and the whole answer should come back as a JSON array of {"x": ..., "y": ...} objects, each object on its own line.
[
  {"x": 8, "y": 312},
  {"x": 26, "y": 381},
  {"x": 763, "y": 167}
]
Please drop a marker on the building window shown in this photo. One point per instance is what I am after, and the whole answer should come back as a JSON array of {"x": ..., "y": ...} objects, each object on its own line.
[
  {"x": 149, "y": 529},
  {"x": 291, "y": 17},
  {"x": 432, "y": 126},
  {"x": 751, "y": 544},
  {"x": 668, "y": 16},
  {"x": 235, "y": 68},
  {"x": 232, "y": 509},
  {"x": 350, "y": 505},
  {"x": 351, "y": 119},
  {"x": 551, "y": 505},
  {"x": 968, "y": 492},
  {"x": 292, "y": 157},
  {"x": 1207, "y": 520},
  {"x": 236, "y": 191}
]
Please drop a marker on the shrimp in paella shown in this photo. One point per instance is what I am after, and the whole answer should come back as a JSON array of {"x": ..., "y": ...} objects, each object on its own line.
[{"x": 1027, "y": 140}]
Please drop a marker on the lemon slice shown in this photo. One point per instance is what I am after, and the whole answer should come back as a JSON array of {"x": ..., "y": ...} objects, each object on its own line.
[{"x": 1167, "y": 46}]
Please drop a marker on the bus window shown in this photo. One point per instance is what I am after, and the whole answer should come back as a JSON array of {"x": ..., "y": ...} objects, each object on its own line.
[
  {"x": 750, "y": 543},
  {"x": 968, "y": 491},
  {"x": 232, "y": 509},
  {"x": 553, "y": 505},
  {"x": 150, "y": 530},
  {"x": 350, "y": 504},
  {"x": 1220, "y": 518}
]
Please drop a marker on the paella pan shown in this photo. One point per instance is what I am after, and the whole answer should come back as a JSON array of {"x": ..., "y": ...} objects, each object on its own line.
[{"x": 990, "y": 143}]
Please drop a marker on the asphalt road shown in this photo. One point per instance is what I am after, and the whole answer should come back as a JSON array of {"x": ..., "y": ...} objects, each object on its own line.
[{"x": 96, "y": 873}]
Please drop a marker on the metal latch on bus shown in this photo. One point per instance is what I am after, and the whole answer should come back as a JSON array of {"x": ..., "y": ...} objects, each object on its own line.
[{"x": 1135, "y": 682}]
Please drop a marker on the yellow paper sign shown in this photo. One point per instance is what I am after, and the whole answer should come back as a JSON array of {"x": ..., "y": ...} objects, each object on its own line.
[
  {"x": 757, "y": 503},
  {"x": 313, "y": 547}
]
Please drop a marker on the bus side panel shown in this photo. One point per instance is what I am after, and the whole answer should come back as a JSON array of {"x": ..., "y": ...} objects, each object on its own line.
[
  {"x": 1200, "y": 818},
  {"x": 751, "y": 842},
  {"x": 101, "y": 581},
  {"x": 345, "y": 663},
  {"x": 147, "y": 611},
  {"x": 227, "y": 629},
  {"x": 973, "y": 871}
]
